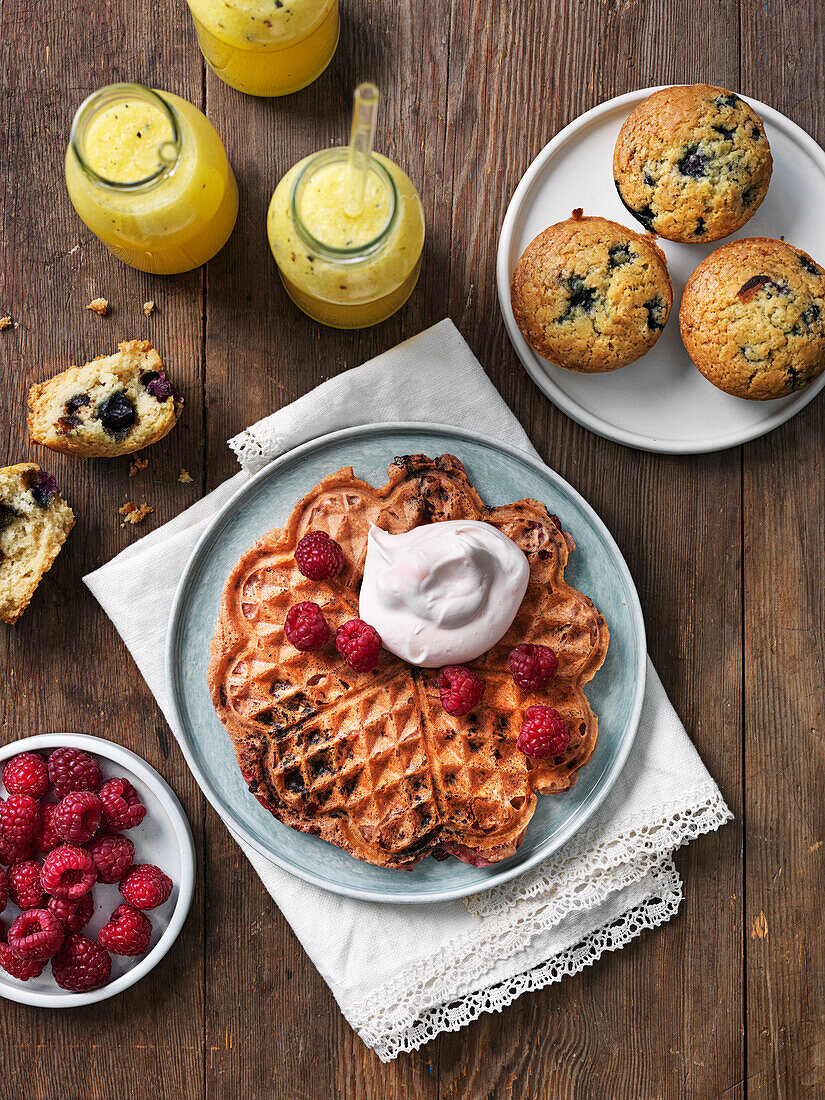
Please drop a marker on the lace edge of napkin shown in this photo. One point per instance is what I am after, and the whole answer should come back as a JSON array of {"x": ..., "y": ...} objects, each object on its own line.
[
  {"x": 254, "y": 448},
  {"x": 448, "y": 1014},
  {"x": 647, "y": 837}
]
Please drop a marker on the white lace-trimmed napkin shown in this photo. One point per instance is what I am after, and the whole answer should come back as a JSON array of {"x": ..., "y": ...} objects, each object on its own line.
[{"x": 402, "y": 974}]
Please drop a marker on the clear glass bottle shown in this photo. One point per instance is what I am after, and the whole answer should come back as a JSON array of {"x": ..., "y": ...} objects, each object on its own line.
[
  {"x": 267, "y": 47},
  {"x": 147, "y": 173},
  {"x": 346, "y": 272}
]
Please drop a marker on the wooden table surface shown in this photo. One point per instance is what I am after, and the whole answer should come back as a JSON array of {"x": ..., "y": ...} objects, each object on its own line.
[{"x": 726, "y": 550}]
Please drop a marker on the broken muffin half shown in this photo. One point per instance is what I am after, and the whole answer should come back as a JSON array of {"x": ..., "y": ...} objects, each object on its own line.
[
  {"x": 112, "y": 406},
  {"x": 34, "y": 524}
]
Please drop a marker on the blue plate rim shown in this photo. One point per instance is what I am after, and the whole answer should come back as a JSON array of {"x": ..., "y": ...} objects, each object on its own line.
[{"x": 226, "y": 812}]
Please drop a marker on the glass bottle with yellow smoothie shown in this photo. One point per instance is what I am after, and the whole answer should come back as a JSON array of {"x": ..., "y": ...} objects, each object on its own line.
[
  {"x": 147, "y": 173},
  {"x": 266, "y": 47},
  {"x": 345, "y": 265}
]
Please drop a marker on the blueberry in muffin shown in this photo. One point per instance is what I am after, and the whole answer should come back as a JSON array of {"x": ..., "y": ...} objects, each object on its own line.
[
  {"x": 752, "y": 318},
  {"x": 692, "y": 163},
  {"x": 114, "y": 405},
  {"x": 34, "y": 524},
  {"x": 590, "y": 295}
]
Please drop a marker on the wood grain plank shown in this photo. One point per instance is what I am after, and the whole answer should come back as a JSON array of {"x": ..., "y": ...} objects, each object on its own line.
[
  {"x": 686, "y": 1034},
  {"x": 283, "y": 354},
  {"x": 261, "y": 354},
  {"x": 63, "y": 665},
  {"x": 784, "y": 509}
]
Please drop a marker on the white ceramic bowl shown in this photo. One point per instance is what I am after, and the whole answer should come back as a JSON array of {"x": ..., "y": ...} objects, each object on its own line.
[{"x": 163, "y": 838}]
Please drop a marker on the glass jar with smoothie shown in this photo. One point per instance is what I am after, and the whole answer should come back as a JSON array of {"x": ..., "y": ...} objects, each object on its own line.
[
  {"x": 347, "y": 266},
  {"x": 266, "y": 47},
  {"x": 148, "y": 174}
]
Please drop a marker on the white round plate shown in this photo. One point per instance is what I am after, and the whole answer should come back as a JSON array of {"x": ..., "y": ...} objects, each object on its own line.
[
  {"x": 661, "y": 402},
  {"x": 163, "y": 838}
]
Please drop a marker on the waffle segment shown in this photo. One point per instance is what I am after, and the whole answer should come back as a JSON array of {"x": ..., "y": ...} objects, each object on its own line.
[{"x": 371, "y": 761}]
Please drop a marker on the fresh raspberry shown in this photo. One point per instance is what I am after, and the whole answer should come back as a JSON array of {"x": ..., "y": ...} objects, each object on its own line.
[
  {"x": 460, "y": 689},
  {"x": 319, "y": 557},
  {"x": 81, "y": 964},
  {"x": 305, "y": 626},
  {"x": 4, "y": 889},
  {"x": 122, "y": 808},
  {"x": 23, "y": 969},
  {"x": 359, "y": 644},
  {"x": 543, "y": 733},
  {"x": 113, "y": 855},
  {"x": 36, "y": 934},
  {"x": 126, "y": 932},
  {"x": 73, "y": 915},
  {"x": 26, "y": 773},
  {"x": 73, "y": 770},
  {"x": 25, "y": 887},
  {"x": 532, "y": 666},
  {"x": 68, "y": 872},
  {"x": 47, "y": 838},
  {"x": 20, "y": 819},
  {"x": 146, "y": 886},
  {"x": 77, "y": 817},
  {"x": 13, "y": 853}
]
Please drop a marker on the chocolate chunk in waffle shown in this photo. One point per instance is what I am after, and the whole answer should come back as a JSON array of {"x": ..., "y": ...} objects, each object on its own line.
[{"x": 371, "y": 761}]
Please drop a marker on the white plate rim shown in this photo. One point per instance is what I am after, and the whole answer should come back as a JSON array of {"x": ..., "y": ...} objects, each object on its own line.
[
  {"x": 237, "y": 827},
  {"x": 532, "y": 363},
  {"x": 118, "y": 754}
]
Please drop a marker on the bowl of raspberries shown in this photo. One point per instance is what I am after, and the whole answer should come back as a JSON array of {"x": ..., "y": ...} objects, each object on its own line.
[{"x": 97, "y": 869}]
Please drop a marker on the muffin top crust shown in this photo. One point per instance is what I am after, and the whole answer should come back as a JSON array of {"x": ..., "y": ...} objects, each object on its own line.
[
  {"x": 692, "y": 163},
  {"x": 752, "y": 318},
  {"x": 591, "y": 295}
]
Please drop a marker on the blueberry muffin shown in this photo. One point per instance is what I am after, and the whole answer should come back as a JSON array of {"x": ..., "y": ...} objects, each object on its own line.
[
  {"x": 114, "y": 405},
  {"x": 590, "y": 295},
  {"x": 692, "y": 163},
  {"x": 753, "y": 318},
  {"x": 34, "y": 523}
]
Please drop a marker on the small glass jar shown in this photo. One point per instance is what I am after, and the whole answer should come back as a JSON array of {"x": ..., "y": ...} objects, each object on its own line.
[
  {"x": 346, "y": 272},
  {"x": 266, "y": 47},
  {"x": 147, "y": 173}
]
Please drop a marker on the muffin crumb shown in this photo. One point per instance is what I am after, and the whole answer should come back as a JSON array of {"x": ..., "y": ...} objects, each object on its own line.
[
  {"x": 134, "y": 514},
  {"x": 99, "y": 306},
  {"x": 184, "y": 477},
  {"x": 137, "y": 464},
  {"x": 5, "y": 322},
  {"x": 148, "y": 308}
]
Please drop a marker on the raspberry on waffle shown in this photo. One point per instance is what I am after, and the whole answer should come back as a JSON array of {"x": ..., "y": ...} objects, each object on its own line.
[{"x": 371, "y": 761}]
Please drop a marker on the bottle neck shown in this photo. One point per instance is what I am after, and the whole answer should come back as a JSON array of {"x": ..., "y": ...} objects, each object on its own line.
[
  {"x": 126, "y": 137},
  {"x": 305, "y": 189}
]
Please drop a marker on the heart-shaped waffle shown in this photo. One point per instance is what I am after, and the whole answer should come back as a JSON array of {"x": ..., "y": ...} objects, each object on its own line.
[{"x": 371, "y": 761}]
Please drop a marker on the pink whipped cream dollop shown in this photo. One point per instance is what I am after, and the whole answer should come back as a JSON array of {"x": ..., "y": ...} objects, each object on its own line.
[{"x": 443, "y": 593}]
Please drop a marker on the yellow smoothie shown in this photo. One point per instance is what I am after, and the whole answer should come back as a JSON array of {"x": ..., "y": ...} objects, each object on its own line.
[
  {"x": 147, "y": 173},
  {"x": 267, "y": 47},
  {"x": 346, "y": 272}
]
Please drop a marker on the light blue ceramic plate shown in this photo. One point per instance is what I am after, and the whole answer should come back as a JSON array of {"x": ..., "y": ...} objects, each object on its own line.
[{"x": 501, "y": 474}]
